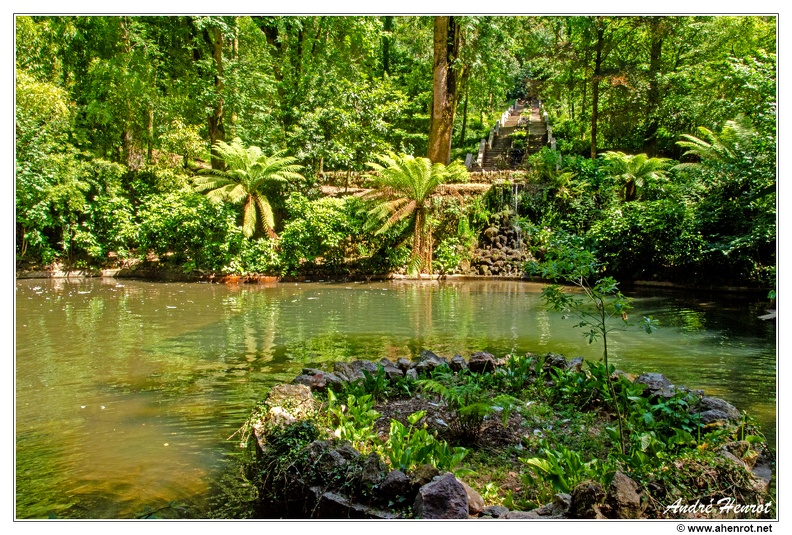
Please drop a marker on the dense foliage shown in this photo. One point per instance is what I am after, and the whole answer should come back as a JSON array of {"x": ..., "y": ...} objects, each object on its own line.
[
  {"x": 666, "y": 130},
  {"x": 519, "y": 434}
]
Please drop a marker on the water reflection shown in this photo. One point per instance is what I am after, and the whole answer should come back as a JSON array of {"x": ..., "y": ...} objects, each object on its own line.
[{"x": 178, "y": 366}]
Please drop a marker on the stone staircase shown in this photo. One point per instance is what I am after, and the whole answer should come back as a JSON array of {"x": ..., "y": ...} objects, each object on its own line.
[
  {"x": 537, "y": 130},
  {"x": 499, "y": 154}
]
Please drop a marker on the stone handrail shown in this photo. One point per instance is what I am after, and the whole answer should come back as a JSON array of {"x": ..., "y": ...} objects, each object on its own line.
[
  {"x": 551, "y": 141},
  {"x": 486, "y": 143}
]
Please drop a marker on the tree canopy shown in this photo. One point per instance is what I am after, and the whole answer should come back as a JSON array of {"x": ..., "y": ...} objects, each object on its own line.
[{"x": 115, "y": 115}]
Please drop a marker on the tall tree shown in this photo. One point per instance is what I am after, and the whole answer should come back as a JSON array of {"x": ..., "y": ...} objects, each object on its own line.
[{"x": 445, "y": 92}]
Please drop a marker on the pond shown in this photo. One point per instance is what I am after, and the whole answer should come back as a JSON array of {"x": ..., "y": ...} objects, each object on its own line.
[{"x": 127, "y": 391}]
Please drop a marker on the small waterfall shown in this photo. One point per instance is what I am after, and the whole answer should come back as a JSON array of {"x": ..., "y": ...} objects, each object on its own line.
[
  {"x": 514, "y": 197},
  {"x": 517, "y": 230},
  {"x": 518, "y": 237}
]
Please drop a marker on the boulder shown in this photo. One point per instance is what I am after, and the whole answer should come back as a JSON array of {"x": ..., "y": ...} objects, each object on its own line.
[
  {"x": 404, "y": 364},
  {"x": 712, "y": 409},
  {"x": 587, "y": 500},
  {"x": 495, "y": 511},
  {"x": 624, "y": 498},
  {"x": 286, "y": 405},
  {"x": 558, "y": 508},
  {"x": 335, "y": 505},
  {"x": 422, "y": 475},
  {"x": 763, "y": 472},
  {"x": 427, "y": 354},
  {"x": 712, "y": 417},
  {"x": 373, "y": 471},
  {"x": 656, "y": 385},
  {"x": 620, "y": 373},
  {"x": 395, "y": 488},
  {"x": 554, "y": 361},
  {"x": 319, "y": 380},
  {"x": 475, "y": 501},
  {"x": 296, "y": 399},
  {"x": 412, "y": 374},
  {"x": 481, "y": 362},
  {"x": 345, "y": 371},
  {"x": 443, "y": 498},
  {"x": 359, "y": 365},
  {"x": 325, "y": 456},
  {"x": 392, "y": 371},
  {"x": 458, "y": 363},
  {"x": 576, "y": 364},
  {"x": 331, "y": 379},
  {"x": 428, "y": 361},
  {"x": 491, "y": 232},
  {"x": 520, "y": 515}
]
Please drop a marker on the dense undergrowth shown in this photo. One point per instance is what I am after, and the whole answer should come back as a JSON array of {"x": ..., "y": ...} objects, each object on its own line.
[{"x": 520, "y": 434}]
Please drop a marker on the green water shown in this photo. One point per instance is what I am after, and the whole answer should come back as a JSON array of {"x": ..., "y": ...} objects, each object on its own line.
[{"x": 127, "y": 391}]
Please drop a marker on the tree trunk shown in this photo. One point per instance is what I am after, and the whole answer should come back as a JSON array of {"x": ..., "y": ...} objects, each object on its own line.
[
  {"x": 595, "y": 87},
  {"x": 654, "y": 98},
  {"x": 387, "y": 27},
  {"x": 444, "y": 89},
  {"x": 464, "y": 117},
  {"x": 150, "y": 130},
  {"x": 216, "y": 123}
]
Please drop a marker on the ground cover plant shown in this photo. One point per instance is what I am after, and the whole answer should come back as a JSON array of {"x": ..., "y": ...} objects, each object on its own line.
[{"x": 554, "y": 432}]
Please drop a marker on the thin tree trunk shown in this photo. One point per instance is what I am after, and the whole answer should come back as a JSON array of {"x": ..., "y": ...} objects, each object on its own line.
[
  {"x": 464, "y": 116},
  {"x": 216, "y": 118},
  {"x": 387, "y": 26},
  {"x": 656, "y": 32},
  {"x": 595, "y": 87}
]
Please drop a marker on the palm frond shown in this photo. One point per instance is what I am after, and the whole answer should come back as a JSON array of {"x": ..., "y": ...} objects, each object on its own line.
[
  {"x": 403, "y": 185},
  {"x": 237, "y": 193}
]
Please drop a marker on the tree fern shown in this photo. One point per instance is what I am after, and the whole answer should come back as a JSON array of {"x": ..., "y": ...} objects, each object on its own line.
[
  {"x": 248, "y": 174},
  {"x": 402, "y": 191},
  {"x": 634, "y": 171}
]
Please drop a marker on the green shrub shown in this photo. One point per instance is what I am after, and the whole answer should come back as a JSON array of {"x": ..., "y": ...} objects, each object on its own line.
[
  {"x": 562, "y": 469},
  {"x": 199, "y": 235},
  {"x": 642, "y": 239},
  {"x": 319, "y": 232}
]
